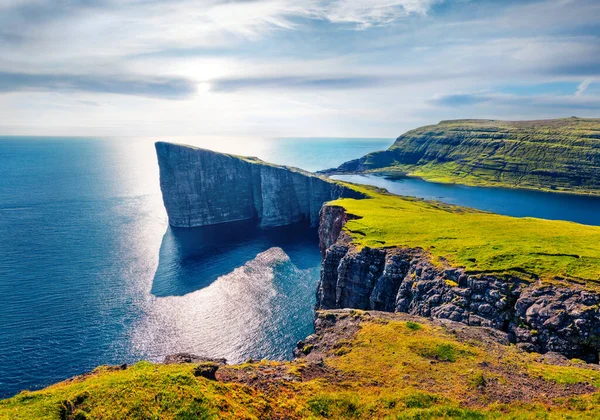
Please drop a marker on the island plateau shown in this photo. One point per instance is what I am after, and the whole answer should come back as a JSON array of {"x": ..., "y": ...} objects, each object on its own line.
[{"x": 554, "y": 155}]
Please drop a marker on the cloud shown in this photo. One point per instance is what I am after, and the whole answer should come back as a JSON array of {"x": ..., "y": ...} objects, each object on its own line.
[
  {"x": 295, "y": 82},
  {"x": 153, "y": 87},
  {"x": 10, "y": 4},
  {"x": 496, "y": 101},
  {"x": 337, "y": 79},
  {"x": 460, "y": 100},
  {"x": 583, "y": 87},
  {"x": 196, "y": 17},
  {"x": 293, "y": 67},
  {"x": 366, "y": 13},
  {"x": 79, "y": 45}
]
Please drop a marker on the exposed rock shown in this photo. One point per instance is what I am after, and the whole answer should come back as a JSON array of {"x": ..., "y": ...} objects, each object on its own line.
[
  {"x": 191, "y": 358},
  {"x": 201, "y": 188},
  {"x": 357, "y": 276},
  {"x": 207, "y": 370},
  {"x": 326, "y": 291},
  {"x": 558, "y": 319},
  {"x": 538, "y": 318},
  {"x": 207, "y": 366},
  {"x": 332, "y": 220},
  {"x": 383, "y": 295}
]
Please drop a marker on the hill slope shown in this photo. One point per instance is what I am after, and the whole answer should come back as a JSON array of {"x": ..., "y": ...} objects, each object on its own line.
[
  {"x": 358, "y": 366},
  {"x": 560, "y": 154}
]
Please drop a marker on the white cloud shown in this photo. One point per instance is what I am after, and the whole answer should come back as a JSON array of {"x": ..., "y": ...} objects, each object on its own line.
[
  {"x": 7, "y": 4},
  {"x": 289, "y": 67},
  {"x": 583, "y": 87},
  {"x": 366, "y": 13},
  {"x": 48, "y": 34}
]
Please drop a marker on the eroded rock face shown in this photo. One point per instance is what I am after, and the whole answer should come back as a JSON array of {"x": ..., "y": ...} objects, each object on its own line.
[
  {"x": 558, "y": 319},
  {"x": 192, "y": 358},
  {"x": 538, "y": 318},
  {"x": 332, "y": 220},
  {"x": 201, "y": 188}
]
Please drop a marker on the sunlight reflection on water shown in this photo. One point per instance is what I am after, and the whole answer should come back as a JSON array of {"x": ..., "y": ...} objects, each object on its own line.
[
  {"x": 85, "y": 279},
  {"x": 234, "y": 317},
  {"x": 216, "y": 308},
  {"x": 219, "y": 303}
]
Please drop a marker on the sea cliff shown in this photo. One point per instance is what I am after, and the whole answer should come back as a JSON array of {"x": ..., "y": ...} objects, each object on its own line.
[
  {"x": 540, "y": 317},
  {"x": 201, "y": 188},
  {"x": 395, "y": 254}
]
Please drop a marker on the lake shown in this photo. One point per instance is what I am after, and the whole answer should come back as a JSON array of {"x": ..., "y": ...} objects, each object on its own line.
[{"x": 511, "y": 202}]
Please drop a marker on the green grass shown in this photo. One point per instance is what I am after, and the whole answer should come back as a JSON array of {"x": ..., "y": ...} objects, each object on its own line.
[
  {"x": 553, "y": 155},
  {"x": 479, "y": 241},
  {"x": 411, "y": 325},
  {"x": 386, "y": 374},
  {"x": 442, "y": 352},
  {"x": 143, "y": 391}
]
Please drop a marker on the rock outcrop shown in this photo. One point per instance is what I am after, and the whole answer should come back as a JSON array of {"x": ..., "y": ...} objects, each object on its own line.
[
  {"x": 542, "y": 318},
  {"x": 201, "y": 188}
]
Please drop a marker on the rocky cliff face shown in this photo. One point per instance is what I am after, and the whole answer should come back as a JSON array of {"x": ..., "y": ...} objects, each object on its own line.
[
  {"x": 538, "y": 318},
  {"x": 201, "y": 188}
]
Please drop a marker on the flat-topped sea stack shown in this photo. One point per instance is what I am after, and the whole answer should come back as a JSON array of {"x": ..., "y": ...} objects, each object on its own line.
[{"x": 201, "y": 187}]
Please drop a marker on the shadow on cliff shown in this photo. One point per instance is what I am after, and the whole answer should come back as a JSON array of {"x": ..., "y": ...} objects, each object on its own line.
[{"x": 192, "y": 258}]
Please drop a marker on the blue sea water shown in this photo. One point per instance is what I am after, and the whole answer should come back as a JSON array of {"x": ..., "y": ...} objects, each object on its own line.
[{"x": 90, "y": 273}]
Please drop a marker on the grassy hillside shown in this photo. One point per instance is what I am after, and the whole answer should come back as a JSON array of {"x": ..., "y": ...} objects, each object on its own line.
[
  {"x": 559, "y": 155},
  {"x": 362, "y": 366},
  {"x": 479, "y": 241}
]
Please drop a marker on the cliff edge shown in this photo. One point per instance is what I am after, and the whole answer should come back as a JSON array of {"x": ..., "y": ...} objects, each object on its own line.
[
  {"x": 201, "y": 187},
  {"x": 536, "y": 280}
]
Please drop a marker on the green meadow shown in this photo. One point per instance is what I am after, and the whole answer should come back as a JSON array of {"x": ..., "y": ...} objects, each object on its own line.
[
  {"x": 391, "y": 368},
  {"x": 479, "y": 241}
]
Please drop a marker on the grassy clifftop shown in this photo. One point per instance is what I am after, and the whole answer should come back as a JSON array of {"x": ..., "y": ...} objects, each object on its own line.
[
  {"x": 477, "y": 240},
  {"x": 560, "y": 154},
  {"x": 359, "y": 366}
]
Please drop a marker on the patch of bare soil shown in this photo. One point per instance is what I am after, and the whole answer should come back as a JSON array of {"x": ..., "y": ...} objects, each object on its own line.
[{"x": 505, "y": 385}]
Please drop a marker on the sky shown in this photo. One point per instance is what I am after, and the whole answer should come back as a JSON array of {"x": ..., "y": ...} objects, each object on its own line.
[{"x": 291, "y": 68}]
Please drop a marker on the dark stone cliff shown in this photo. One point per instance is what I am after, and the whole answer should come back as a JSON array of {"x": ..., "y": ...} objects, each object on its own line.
[
  {"x": 537, "y": 317},
  {"x": 201, "y": 188}
]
